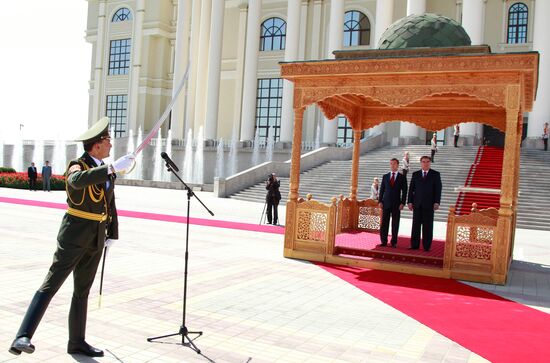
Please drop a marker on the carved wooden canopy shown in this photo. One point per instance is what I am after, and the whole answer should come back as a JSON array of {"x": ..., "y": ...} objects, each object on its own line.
[{"x": 431, "y": 90}]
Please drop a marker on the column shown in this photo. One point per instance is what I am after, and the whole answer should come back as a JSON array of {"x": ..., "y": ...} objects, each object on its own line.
[
  {"x": 202, "y": 63},
  {"x": 408, "y": 132},
  {"x": 291, "y": 54},
  {"x": 214, "y": 69},
  {"x": 335, "y": 41},
  {"x": 541, "y": 108},
  {"x": 355, "y": 165},
  {"x": 384, "y": 18},
  {"x": 181, "y": 59},
  {"x": 416, "y": 7},
  {"x": 137, "y": 40},
  {"x": 303, "y": 30},
  {"x": 473, "y": 21},
  {"x": 98, "y": 68},
  {"x": 251, "y": 69},
  {"x": 243, "y": 11},
  {"x": 194, "y": 59}
]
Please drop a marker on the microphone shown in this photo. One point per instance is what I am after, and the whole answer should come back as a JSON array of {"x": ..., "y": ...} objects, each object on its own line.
[{"x": 169, "y": 161}]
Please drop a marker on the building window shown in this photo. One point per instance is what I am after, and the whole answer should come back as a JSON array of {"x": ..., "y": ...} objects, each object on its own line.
[
  {"x": 517, "y": 23},
  {"x": 116, "y": 111},
  {"x": 268, "y": 108},
  {"x": 356, "y": 29},
  {"x": 122, "y": 14},
  {"x": 345, "y": 132},
  {"x": 273, "y": 34},
  {"x": 119, "y": 57}
]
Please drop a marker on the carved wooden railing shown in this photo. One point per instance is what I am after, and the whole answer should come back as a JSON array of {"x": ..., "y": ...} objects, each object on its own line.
[
  {"x": 471, "y": 239},
  {"x": 355, "y": 215},
  {"x": 314, "y": 227}
]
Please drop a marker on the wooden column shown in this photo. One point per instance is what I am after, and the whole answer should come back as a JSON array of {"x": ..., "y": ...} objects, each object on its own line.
[
  {"x": 294, "y": 181},
  {"x": 501, "y": 248},
  {"x": 355, "y": 165}
]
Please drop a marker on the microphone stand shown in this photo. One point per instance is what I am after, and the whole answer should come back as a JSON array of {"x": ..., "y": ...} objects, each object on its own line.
[{"x": 183, "y": 331}]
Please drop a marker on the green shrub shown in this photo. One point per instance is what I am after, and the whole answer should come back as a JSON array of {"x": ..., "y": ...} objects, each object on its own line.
[
  {"x": 6, "y": 170},
  {"x": 21, "y": 181}
]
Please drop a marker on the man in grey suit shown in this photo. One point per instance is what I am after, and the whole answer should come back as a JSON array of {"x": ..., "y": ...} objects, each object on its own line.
[
  {"x": 46, "y": 176},
  {"x": 424, "y": 199}
]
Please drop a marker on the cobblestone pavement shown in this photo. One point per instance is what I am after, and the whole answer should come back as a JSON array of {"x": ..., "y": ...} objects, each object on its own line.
[{"x": 251, "y": 304}]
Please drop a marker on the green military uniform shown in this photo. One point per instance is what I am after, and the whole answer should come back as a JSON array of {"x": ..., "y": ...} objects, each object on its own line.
[{"x": 90, "y": 219}]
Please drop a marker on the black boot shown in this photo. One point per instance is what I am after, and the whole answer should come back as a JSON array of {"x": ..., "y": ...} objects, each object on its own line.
[
  {"x": 35, "y": 312},
  {"x": 77, "y": 329}
]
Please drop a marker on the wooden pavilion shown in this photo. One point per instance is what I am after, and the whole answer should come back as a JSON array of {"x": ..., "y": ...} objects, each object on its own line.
[{"x": 433, "y": 88}]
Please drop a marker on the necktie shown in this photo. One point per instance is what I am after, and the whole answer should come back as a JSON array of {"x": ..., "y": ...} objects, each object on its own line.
[
  {"x": 392, "y": 179},
  {"x": 424, "y": 173}
]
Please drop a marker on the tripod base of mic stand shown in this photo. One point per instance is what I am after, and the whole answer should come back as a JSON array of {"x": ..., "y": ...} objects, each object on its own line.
[{"x": 184, "y": 332}]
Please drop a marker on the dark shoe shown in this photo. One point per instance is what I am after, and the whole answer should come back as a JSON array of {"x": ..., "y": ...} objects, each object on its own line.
[
  {"x": 413, "y": 248},
  {"x": 83, "y": 348},
  {"x": 382, "y": 245},
  {"x": 426, "y": 249},
  {"x": 22, "y": 344},
  {"x": 394, "y": 245}
]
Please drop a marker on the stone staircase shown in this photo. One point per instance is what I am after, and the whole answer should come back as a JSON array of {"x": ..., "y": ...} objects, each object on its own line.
[{"x": 332, "y": 179}]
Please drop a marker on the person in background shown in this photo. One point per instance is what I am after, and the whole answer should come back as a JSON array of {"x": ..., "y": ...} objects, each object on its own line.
[
  {"x": 33, "y": 174},
  {"x": 46, "y": 176},
  {"x": 433, "y": 146},
  {"x": 375, "y": 189},
  {"x": 405, "y": 164},
  {"x": 456, "y": 134},
  {"x": 272, "y": 199},
  {"x": 545, "y": 135}
]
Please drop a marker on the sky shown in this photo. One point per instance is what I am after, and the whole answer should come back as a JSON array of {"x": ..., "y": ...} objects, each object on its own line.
[{"x": 44, "y": 69}]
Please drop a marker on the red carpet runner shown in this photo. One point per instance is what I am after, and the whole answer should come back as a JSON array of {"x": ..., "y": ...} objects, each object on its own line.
[
  {"x": 366, "y": 245},
  {"x": 495, "y": 328},
  {"x": 485, "y": 172}
]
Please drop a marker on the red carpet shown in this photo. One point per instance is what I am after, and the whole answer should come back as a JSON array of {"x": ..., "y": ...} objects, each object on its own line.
[
  {"x": 495, "y": 328},
  {"x": 365, "y": 244},
  {"x": 161, "y": 217},
  {"x": 485, "y": 172}
]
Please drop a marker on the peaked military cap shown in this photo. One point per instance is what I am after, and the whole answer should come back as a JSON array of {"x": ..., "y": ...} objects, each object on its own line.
[{"x": 98, "y": 131}]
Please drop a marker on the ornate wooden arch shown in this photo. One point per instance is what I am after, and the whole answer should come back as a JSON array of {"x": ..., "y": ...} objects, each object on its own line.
[{"x": 434, "y": 88}]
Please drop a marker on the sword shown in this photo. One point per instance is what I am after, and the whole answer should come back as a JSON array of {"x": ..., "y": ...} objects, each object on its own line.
[
  {"x": 162, "y": 118},
  {"x": 102, "y": 271}
]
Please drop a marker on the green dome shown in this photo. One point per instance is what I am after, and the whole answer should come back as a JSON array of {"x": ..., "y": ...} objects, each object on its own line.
[{"x": 426, "y": 30}]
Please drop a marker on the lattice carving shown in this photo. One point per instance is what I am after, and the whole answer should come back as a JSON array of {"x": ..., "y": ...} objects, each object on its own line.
[
  {"x": 311, "y": 226},
  {"x": 474, "y": 242}
]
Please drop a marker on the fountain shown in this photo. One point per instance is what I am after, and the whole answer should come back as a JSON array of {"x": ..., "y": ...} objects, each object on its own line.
[
  {"x": 38, "y": 155},
  {"x": 138, "y": 171},
  {"x": 79, "y": 150},
  {"x": 112, "y": 154},
  {"x": 158, "y": 163},
  {"x": 130, "y": 148},
  {"x": 219, "y": 159},
  {"x": 256, "y": 149},
  {"x": 199, "y": 158},
  {"x": 17, "y": 155},
  {"x": 1, "y": 152},
  {"x": 318, "y": 137},
  {"x": 59, "y": 160},
  {"x": 269, "y": 146},
  {"x": 233, "y": 152},
  {"x": 188, "y": 162},
  {"x": 166, "y": 176}
]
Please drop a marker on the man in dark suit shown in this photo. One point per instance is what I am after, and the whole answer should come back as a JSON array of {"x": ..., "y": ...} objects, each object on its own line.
[
  {"x": 89, "y": 224},
  {"x": 391, "y": 199},
  {"x": 424, "y": 198},
  {"x": 33, "y": 174}
]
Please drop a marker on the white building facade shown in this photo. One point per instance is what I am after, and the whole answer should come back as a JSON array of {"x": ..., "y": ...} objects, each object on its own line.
[{"x": 142, "y": 48}]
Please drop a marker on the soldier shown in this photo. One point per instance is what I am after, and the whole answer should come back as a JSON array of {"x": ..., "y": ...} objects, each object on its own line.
[{"x": 89, "y": 224}]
